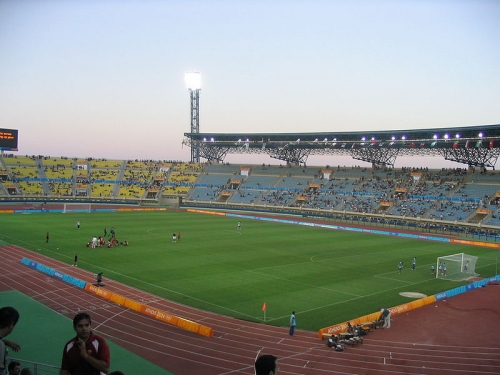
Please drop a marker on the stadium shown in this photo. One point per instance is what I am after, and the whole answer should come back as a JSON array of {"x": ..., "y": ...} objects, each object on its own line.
[
  {"x": 259, "y": 241},
  {"x": 344, "y": 178}
]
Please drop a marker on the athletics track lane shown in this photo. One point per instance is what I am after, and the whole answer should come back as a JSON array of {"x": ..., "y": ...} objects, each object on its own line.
[{"x": 415, "y": 343}]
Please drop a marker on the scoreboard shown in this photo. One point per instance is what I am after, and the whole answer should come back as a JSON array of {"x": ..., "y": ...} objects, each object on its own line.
[{"x": 8, "y": 139}]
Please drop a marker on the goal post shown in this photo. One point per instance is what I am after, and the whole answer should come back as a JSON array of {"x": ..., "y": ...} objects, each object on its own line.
[
  {"x": 456, "y": 267},
  {"x": 77, "y": 207}
]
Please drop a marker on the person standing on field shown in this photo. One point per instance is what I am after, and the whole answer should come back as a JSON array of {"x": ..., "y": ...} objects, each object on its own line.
[
  {"x": 78, "y": 224},
  {"x": 47, "y": 237},
  {"x": 293, "y": 323},
  {"x": 386, "y": 315}
]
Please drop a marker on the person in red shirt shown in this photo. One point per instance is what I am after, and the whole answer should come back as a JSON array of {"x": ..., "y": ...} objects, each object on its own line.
[{"x": 87, "y": 353}]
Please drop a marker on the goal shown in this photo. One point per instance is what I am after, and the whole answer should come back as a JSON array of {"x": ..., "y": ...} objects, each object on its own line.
[
  {"x": 77, "y": 207},
  {"x": 456, "y": 267}
]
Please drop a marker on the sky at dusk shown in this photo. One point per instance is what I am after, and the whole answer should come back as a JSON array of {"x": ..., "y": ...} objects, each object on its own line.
[{"x": 105, "y": 78}]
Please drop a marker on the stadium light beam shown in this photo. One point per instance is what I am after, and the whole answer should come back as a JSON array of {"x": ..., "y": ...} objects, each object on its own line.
[{"x": 193, "y": 84}]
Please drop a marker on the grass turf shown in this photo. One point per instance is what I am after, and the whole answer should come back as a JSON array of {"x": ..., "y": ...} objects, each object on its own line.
[{"x": 327, "y": 276}]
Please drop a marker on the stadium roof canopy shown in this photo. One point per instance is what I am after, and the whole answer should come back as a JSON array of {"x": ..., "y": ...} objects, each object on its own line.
[{"x": 471, "y": 145}]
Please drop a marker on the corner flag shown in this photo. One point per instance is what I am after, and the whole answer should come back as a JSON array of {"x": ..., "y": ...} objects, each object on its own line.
[{"x": 264, "y": 307}]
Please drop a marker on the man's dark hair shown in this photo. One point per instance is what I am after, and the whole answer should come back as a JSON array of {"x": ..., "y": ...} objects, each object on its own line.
[
  {"x": 265, "y": 364},
  {"x": 116, "y": 373},
  {"x": 81, "y": 316},
  {"x": 13, "y": 364},
  {"x": 8, "y": 315}
]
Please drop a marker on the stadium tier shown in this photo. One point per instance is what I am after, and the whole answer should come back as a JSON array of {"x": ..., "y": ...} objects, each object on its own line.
[{"x": 426, "y": 197}]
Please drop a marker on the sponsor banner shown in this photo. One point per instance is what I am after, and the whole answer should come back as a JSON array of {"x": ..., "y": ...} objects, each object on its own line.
[
  {"x": 207, "y": 212},
  {"x": 475, "y": 243},
  {"x": 150, "y": 311},
  {"x": 465, "y": 288},
  {"x": 141, "y": 209},
  {"x": 52, "y": 272}
]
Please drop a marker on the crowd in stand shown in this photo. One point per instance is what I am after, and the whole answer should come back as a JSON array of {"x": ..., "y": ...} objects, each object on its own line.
[{"x": 446, "y": 194}]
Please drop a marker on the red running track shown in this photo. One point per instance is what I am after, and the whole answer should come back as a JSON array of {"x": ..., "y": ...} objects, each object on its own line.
[{"x": 430, "y": 340}]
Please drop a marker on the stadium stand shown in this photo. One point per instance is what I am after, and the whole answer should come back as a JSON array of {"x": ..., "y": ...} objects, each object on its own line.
[{"x": 460, "y": 196}]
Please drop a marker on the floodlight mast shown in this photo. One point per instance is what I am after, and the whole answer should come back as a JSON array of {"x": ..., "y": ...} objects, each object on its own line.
[{"x": 193, "y": 84}]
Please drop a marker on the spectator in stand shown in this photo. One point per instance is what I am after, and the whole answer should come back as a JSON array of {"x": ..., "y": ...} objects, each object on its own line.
[
  {"x": 9, "y": 317},
  {"x": 266, "y": 364},
  {"x": 26, "y": 371},
  {"x": 14, "y": 368}
]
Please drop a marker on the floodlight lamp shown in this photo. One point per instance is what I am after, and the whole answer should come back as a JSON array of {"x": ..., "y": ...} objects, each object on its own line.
[
  {"x": 193, "y": 80},
  {"x": 212, "y": 139},
  {"x": 373, "y": 138},
  {"x": 457, "y": 136},
  {"x": 325, "y": 140},
  {"x": 239, "y": 140},
  {"x": 204, "y": 139},
  {"x": 435, "y": 136},
  {"x": 363, "y": 139},
  {"x": 446, "y": 136},
  {"x": 481, "y": 135},
  {"x": 393, "y": 138},
  {"x": 403, "y": 137},
  {"x": 248, "y": 140}
]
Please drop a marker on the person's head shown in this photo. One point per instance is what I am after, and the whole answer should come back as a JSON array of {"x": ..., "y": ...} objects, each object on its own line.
[
  {"x": 81, "y": 325},
  {"x": 266, "y": 364},
  {"x": 9, "y": 317},
  {"x": 26, "y": 371},
  {"x": 14, "y": 368},
  {"x": 116, "y": 373}
]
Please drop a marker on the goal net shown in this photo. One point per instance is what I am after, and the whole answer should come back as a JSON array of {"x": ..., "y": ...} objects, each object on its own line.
[
  {"x": 77, "y": 207},
  {"x": 456, "y": 267}
]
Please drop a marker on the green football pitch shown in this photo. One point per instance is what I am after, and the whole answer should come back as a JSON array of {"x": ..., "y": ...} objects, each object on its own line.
[{"x": 327, "y": 276}]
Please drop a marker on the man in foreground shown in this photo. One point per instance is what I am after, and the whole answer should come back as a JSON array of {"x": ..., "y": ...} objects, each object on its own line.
[
  {"x": 266, "y": 364},
  {"x": 9, "y": 317},
  {"x": 87, "y": 353}
]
